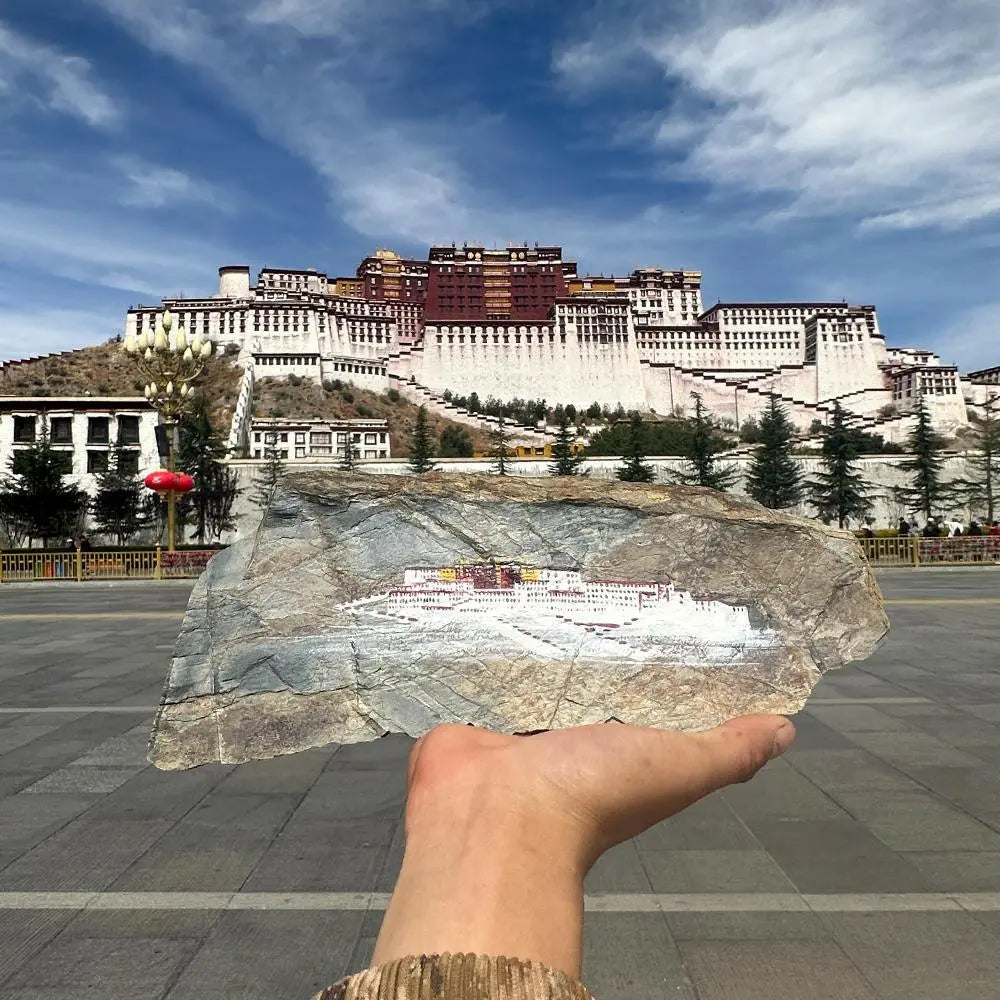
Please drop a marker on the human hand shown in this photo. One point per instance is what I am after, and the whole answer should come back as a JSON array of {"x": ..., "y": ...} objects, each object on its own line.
[{"x": 502, "y": 829}]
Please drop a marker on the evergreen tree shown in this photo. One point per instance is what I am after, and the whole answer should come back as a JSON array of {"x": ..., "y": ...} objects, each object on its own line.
[
  {"x": 839, "y": 492},
  {"x": 926, "y": 492},
  {"x": 775, "y": 479},
  {"x": 421, "y": 445},
  {"x": 222, "y": 493},
  {"x": 117, "y": 507},
  {"x": 270, "y": 474},
  {"x": 208, "y": 507},
  {"x": 701, "y": 449},
  {"x": 456, "y": 443},
  {"x": 36, "y": 502},
  {"x": 499, "y": 450},
  {"x": 984, "y": 463},
  {"x": 565, "y": 462},
  {"x": 349, "y": 460},
  {"x": 633, "y": 469}
]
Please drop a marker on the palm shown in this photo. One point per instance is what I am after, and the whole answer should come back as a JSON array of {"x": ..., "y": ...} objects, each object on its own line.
[{"x": 610, "y": 781}]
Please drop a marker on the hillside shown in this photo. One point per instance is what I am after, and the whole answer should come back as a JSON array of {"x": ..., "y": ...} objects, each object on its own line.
[
  {"x": 302, "y": 400},
  {"x": 105, "y": 370}
]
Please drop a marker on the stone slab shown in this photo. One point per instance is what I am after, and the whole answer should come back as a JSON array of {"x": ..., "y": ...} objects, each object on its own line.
[{"x": 366, "y": 605}]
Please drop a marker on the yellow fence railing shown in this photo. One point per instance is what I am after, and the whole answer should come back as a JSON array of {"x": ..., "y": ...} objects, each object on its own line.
[
  {"x": 982, "y": 550},
  {"x": 111, "y": 564}
]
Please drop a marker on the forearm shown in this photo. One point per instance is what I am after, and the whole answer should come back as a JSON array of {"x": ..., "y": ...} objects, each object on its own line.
[{"x": 479, "y": 878}]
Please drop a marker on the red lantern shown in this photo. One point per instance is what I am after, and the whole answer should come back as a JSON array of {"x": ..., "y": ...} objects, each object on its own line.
[
  {"x": 161, "y": 480},
  {"x": 183, "y": 483}
]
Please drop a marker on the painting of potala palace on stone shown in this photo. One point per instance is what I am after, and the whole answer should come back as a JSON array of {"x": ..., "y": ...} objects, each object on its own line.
[{"x": 550, "y": 612}]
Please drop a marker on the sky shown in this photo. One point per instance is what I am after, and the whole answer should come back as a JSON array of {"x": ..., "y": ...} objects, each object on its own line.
[{"x": 810, "y": 150}]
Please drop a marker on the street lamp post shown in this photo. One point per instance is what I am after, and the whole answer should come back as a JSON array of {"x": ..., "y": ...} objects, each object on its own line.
[{"x": 170, "y": 361}]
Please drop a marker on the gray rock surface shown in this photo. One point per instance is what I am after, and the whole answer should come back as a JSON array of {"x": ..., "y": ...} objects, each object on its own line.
[{"x": 372, "y": 604}]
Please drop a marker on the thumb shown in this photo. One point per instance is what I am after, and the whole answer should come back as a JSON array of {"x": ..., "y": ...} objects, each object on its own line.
[{"x": 738, "y": 749}]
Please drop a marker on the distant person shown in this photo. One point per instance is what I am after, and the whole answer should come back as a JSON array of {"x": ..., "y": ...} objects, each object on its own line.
[
  {"x": 931, "y": 530},
  {"x": 952, "y": 529},
  {"x": 904, "y": 527},
  {"x": 867, "y": 532},
  {"x": 975, "y": 530},
  {"x": 84, "y": 543},
  {"x": 995, "y": 528}
]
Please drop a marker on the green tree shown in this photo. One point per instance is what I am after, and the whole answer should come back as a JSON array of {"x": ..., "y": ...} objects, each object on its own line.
[
  {"x": 565, "y": 462},
  {"x": 456, "y": 442},
  {"x": 222, "y": 494},
  {"x": 775, "y": 479},
  {"x": 701, "y": 451},
  {"x": 984, "y": 462},
  {"x": 421, "y": 445},
  {"x": 270, "y": 473},
  {"x": 839, "y": 492},
  {"x": 208, "y": 507},
  {"x": 926, "y": 491},
  {"x": 499, "y": 448},
  {"x": 633, "y": 469},
  {"x": 35, "y": 500},
  {"x": 349, "y": 460},
  {"x": 117, "y": 507}
]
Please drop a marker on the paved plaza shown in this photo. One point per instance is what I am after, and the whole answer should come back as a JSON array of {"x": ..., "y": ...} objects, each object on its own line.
[{"x": 864, "y": 865}]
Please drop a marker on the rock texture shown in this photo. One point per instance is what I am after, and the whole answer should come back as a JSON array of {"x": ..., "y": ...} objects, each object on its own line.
[{"x": 372, "y": 604}]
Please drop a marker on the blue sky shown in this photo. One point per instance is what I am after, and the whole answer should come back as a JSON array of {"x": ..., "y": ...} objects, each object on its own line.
[{"x": 803, "y": 150}]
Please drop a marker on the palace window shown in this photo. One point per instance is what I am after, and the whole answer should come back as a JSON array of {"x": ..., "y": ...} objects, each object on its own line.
[
  {"x": 61, "y": 430},
  {"x": 24, "y": 430},
  {"x": 97, "y": 430},
  {"x": 128, "y": 430}
]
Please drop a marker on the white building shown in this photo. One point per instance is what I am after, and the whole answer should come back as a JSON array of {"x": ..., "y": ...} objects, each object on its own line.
[
  {"x": 82, "y": 429},
  {"x": 319, "y": 440},
  {"x": 643, "y": 341}
]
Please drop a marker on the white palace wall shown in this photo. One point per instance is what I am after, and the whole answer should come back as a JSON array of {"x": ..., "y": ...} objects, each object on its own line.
[{"x": 535, "y": 362}]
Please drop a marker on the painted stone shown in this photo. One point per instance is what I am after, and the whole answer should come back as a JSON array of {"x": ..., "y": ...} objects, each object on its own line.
[{"x": 371, "y": 604}]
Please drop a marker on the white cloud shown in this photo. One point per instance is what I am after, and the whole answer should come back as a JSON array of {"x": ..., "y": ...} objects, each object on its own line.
[
  {"x": 59, "y": 81},
  {"x": 95, "y": 248},
  {"x": 154, "y": 186},
  {"x": 889, "y": 112}
]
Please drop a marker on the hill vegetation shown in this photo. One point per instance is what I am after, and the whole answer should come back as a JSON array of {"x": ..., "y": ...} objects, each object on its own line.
[
  {"x": 301, "y": 399},
  {"x": 105, "y": 370}
]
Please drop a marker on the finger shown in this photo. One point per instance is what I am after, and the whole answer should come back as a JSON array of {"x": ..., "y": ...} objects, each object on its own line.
[{"x": 737, "y": 750}]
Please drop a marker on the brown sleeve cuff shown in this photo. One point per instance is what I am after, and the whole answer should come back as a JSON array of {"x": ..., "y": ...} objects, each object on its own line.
[{"x": 458, "y": 977}]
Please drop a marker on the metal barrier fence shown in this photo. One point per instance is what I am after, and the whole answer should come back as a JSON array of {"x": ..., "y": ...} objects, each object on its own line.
[
  {"x": 111, "y": 564},
  {"x": 983, "y": 550}
]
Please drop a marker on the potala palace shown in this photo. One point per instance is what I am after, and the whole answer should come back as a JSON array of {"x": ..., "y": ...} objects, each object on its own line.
[{"x": 521, "y": 323}]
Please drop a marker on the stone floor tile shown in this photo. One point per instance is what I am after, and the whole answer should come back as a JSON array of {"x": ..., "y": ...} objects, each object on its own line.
[
  {"x": 764, "y": 970},
  {"x": 25, "y": 932},
  {"x": 632, "y": 955},
  {"x": 920, "y": 956},
  {"x": 112, "y": 969},
  {"x": 742, "y": 926},
  {"x": 835, "y": 856},
  {"x": 713, "y": 871},
  {"x": 85, "y": 855},
  {"x": 619, "y": 870},
  {"x": 270, "y": 955},
  {"x": 958, "y": 871},
  {"x": 918, "y": 821}
]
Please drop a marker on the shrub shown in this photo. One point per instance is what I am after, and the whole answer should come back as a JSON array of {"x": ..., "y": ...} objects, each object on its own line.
[
  {"x": 346, "y": 395},
  {"x": 393, "y": 395},
  {"x": 364, "y": 411}
]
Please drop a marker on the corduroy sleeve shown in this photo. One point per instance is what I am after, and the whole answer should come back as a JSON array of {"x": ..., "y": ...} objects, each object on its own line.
[{"x": 457, "y": 977}]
